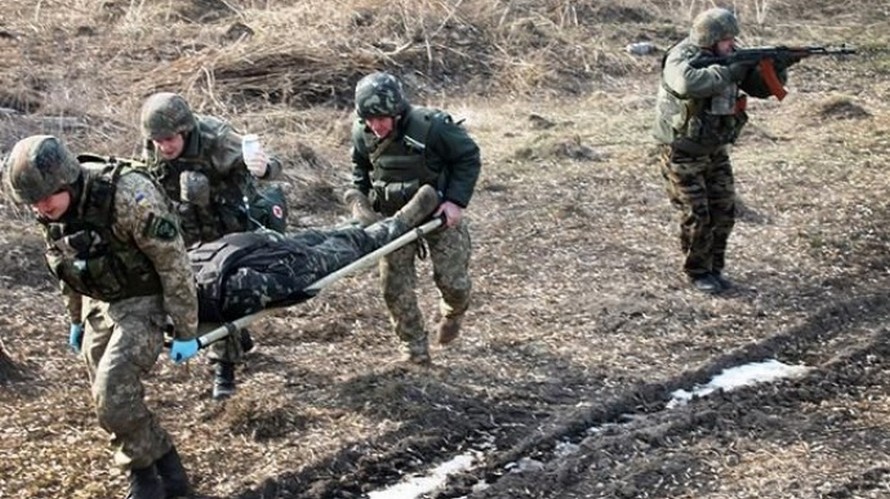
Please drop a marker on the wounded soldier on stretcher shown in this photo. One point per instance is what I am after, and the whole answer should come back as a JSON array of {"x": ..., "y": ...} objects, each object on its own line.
[{"x": 245, "y": 272}]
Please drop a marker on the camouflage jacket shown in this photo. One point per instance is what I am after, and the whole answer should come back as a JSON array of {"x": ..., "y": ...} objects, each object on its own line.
[
  {"x": 685, "y": 95},
  {"x": 119, "y": 240},
  {"x": 426, "y": 147},
  {"x": 214, "y": 150}
]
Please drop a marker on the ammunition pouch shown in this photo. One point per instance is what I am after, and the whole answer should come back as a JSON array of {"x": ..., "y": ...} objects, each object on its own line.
[
  {"x": 388, "y": 197},
  {"x": 705, "y": 132}
]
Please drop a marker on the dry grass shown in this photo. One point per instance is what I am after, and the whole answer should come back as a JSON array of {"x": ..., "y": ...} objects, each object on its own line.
[{"x": 578, "y": 296}]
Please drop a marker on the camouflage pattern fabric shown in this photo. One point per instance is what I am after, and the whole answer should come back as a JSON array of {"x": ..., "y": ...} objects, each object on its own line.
[
  {"x": 123, "y": 339},
  {"x": 39, "y": 166},
  {"x": 139, "y": 206},
  {"x": 228, "y": 349},
  {"x": 702, "y": 189},
  {"x": 379, "y": 94},
  {"x": 684, "y": 119},
  {"x": 274, "y": 270},
  {"x": 121, "y": 343},
  {"x": 143, "y": 217},
  {"x": 449, "y": 252},
  {"x": 165, "y": 114},
  {"x": 212, "y": 149}
]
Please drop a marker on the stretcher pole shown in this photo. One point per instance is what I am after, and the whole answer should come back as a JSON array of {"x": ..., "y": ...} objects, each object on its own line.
[{"x": 238, "y": 324}]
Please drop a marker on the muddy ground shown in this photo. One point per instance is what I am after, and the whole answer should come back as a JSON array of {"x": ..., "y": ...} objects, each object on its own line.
[{"x": 581, "y": 326}]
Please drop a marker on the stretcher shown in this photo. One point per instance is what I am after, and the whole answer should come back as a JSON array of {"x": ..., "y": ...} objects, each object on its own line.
[{"x": 219, "y": 332}]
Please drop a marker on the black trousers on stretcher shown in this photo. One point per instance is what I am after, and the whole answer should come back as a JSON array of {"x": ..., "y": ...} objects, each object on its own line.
[{"x": 246, "y": 272}]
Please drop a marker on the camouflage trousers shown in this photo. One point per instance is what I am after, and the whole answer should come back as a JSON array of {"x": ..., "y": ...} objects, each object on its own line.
[
  {"x": 702, "y": 189},
  {"x": 121, "y": 343},
  {"x": 449, "y": 252},
  {"x": 228, "y": 349},
  {"x": 299, "y": 260}
]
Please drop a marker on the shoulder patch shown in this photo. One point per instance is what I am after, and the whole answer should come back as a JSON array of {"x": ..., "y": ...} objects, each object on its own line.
[
  {"x": 161, "y": 228},
  {"x": 141, "y": 199}
]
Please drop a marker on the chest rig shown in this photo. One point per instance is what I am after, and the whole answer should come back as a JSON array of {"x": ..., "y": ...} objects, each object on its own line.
[
  {"x": 86, "y": 254},
  {"x": 400, "y": 162}
]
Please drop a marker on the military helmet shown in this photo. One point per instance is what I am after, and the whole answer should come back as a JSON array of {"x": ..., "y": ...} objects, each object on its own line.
[
  {"x": 165, "y": 114},
  {"x": 39, "y": 166},
  {"x": 379, "y": 94},
  {"x": 713, "y": 25}
]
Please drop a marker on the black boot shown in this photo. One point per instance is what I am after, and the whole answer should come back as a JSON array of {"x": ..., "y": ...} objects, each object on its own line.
[
  {"x": 145, "y": 484},
  {"x": 176, "y": 481},
  {"x": 246, "y": 341},
  {"x": 725, "y": 283},
  {"x": 223, "y": 380}
]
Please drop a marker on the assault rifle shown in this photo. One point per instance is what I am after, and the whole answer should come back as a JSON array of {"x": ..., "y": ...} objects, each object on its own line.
[{"x": 768, "y": 58}]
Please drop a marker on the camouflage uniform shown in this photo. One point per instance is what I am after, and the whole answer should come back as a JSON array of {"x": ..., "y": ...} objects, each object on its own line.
[
  {"x": 212, "y": 155},
  {"x": 699, "y": 113},
  {"x": 244, "y": 273},
  {"x": 117, "y": 246},
  {"x": 425, "y": 148}
]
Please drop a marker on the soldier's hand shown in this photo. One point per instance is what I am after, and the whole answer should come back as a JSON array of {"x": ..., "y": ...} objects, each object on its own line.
[
  {"x": 75, "y": 337},
  {"x": 453, "y": 213},
  {"x": 739, "y": 70},
  {"x": 183, "y": 350}
]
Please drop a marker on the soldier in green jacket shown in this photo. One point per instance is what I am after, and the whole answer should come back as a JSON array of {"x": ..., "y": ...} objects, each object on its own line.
[
  {"x": 198, "y": 162},
  {"x": 118, "y": 253},
  {"x": 699, "y": 113},
  {"x": 396, "y": 149}
]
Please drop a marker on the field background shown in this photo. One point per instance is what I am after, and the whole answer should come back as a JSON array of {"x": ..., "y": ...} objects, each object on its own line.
[{"x": 580, "y": 318}]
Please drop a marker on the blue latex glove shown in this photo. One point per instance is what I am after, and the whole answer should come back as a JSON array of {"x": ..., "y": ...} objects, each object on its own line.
[
  {"x": 183, "y": 350},
  {"x": 75, "y": 337}
]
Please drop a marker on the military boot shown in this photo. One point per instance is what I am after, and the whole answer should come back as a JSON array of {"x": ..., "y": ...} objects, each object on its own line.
[
  {"x": 360, "y": 206},
  {"x": 724, "y": 283},
  {"x": 448, "y": 329},
  {"x": 173, "y": 475},
  {"x": 223, "y": 380},
  {"x": 417, "y": 352},
  {"x": 145, "y": 484},
  {"x": 420, "y": 207},
  {"x": 706, "y": 283}
]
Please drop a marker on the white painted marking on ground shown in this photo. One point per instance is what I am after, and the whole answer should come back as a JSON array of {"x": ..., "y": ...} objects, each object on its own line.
[
  {"x": 728, "y": 380},
  {"x": 414, "y": 486},
  {"x": 739, "y": 376}
]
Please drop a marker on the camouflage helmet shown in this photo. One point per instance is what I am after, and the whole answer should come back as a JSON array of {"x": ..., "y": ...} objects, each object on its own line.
[
  {"x": 39, "y": 166},
  {"x": 713, "y": 25},
  {"x": 379, "y": 94},
  {"x": 165, "y": 114}
]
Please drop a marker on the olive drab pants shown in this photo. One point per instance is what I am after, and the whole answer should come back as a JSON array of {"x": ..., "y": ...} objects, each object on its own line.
[
  {"x": 449, "y": 253},
  {"x": 121, "y": 343},
  {"x": 702, "y": 189}
]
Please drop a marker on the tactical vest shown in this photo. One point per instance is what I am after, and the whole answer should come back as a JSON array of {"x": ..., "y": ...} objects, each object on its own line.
[
  {"x": 694, "y": 128},
  {"x": 212, "y": 262},
  {"x": 227, "y": 211},
  {"x": 400, "y": 162},
  {"x": 86, "y": 254},
  {"x": 225, "y": 293}
]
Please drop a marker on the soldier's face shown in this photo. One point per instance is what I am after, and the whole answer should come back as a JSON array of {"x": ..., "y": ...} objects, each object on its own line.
[
  {"x": 725, "y": 47},
  {"x": 380, "y": 125},
  {"x": 169, "y": 147},
  {"x": 53, "y": 206}
]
